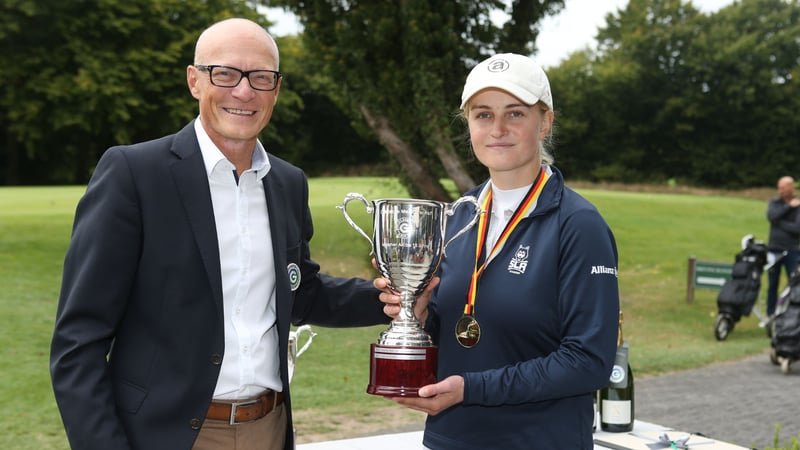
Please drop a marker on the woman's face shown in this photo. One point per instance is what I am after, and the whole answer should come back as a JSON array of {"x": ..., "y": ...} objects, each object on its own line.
[{"x": 505, "y": 135}]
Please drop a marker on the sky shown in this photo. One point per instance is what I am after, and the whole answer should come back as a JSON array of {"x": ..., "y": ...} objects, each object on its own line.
[
  {"x": 576, "y": 26},
  {"x": 573, "y": 29}
]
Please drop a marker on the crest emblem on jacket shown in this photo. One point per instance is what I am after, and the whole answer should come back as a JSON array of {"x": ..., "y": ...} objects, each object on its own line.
[{"x": 519, "y": 263}]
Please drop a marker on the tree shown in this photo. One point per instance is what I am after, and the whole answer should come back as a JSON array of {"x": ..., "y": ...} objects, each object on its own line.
[
  {"x": 312, "y": 131},
  {"x": 745, "y": 94},
  {"x": 401, "y": 65},
  {"x": 674, "y": 94},
  {"x": 643, "y": 53},
  {"x": 83, "y": 75}
]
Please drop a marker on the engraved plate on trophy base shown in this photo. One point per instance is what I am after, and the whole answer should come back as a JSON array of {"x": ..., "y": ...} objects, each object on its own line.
[{"x": 399, "y": 371}]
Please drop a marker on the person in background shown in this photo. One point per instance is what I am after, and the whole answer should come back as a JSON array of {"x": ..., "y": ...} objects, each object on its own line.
[
  {"x": 188, "y": 262},
  {"x": 525, "y": 307},
  {"x": 784, "y": 236}
]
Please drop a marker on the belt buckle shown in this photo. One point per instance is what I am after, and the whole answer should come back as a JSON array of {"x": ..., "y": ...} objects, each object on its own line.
[{"x": 236, "y": 405}]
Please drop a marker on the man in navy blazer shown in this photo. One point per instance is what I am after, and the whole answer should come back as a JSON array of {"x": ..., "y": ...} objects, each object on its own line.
[{"x": 189, "y": 261}]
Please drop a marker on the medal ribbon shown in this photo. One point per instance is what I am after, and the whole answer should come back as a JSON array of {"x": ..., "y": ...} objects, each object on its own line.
[{"x": 483, "y": 230}]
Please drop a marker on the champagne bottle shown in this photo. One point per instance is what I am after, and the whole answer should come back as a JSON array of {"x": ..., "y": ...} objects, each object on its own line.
[{"x": 616, "y": 399}]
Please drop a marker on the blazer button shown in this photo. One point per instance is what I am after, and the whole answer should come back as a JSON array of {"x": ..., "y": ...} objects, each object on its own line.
[
  {"x": 216, "y": 359},
  {"x": 195, "y": 423}
]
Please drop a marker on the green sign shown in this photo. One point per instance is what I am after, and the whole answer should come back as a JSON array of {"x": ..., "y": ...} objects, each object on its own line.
[{"x": 709, "y": 274}]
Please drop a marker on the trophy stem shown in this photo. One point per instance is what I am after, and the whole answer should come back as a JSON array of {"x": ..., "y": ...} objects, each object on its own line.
[
  {"x": 406, "y": 330},
  {"x": 407, "y": 303}
]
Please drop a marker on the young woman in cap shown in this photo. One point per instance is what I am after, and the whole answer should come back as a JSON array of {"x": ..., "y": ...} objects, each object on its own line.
[{"x": 526, "y": 307}]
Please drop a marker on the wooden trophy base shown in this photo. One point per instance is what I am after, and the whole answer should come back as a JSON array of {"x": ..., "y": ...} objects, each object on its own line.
[{"x": 399, "y": 371}]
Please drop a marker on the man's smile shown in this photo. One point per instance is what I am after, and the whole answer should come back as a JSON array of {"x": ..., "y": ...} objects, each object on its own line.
[{"x": 239, "y": 112}]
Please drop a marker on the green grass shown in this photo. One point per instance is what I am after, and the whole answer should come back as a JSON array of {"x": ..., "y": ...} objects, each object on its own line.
[
  {"x": 656, "y": 233},
  {"x": 35, "y": 225}
]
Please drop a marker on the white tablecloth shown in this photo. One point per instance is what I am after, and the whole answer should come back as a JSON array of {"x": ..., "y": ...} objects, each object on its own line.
[{"x": 413, "y": 440}]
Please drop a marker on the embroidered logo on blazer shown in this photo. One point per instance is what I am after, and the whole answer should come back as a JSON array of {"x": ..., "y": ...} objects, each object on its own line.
[
  {"x": 519, "y": 263},
  {"x": 294, "y": 276}
]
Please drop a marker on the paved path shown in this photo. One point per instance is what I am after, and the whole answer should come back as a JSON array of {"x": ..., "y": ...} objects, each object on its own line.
[{"x": 739, "y": 402}]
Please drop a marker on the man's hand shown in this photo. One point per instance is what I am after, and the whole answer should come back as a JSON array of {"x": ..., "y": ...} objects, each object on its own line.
[{"x": 392, "y": 299}]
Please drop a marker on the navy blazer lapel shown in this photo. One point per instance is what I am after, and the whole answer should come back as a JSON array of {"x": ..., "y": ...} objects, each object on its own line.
[
  {"x": 191, "y": 180},
  {"x": 276, "y": 196}
]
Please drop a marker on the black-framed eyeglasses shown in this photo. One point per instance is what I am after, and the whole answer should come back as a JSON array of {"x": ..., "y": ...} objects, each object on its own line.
[{"x": 230, "y": 77}]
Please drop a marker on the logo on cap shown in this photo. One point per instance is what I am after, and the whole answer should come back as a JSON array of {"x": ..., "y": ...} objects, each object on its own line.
[{"x": 498, "y": 65}]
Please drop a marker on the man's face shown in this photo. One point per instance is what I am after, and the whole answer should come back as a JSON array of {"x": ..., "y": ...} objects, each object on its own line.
[
  {"x": 786, "y": 189},
  {"x": 239, "y": 114}
]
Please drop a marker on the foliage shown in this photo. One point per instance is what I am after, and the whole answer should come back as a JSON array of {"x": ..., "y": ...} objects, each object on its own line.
[
  {"x": 672, "y": 93},
  {"x": 88, "y": 74},
  {"x": 747, "y": 91},
  {"x": 309, "y": 129},
  {"x": 793, "y": 443},
  {"x": 403, "y": 64}
]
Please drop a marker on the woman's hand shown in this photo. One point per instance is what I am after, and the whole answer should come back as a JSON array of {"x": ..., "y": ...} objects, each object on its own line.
[{"x": 435, "y": 398}]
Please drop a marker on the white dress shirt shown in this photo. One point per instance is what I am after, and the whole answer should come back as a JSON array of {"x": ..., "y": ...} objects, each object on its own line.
[
  {"x": 251, "y": 361},
  {"x": 504, "y": 204}
]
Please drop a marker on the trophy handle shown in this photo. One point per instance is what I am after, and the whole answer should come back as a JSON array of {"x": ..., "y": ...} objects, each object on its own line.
[
  {"x": 451, "y": 209},
  {"x": 311, "y": 334},
  {"x": 370, "y": 210}
]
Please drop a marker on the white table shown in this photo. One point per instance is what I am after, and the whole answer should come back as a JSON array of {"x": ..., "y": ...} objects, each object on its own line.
[
  {"x": 396, "y": 441},
  {"x": 413, "y": 440}
]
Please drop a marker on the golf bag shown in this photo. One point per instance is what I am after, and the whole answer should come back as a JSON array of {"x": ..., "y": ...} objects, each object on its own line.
[
  {"x": 786, "y": 323},
  {"x": 738, "y": 295}
]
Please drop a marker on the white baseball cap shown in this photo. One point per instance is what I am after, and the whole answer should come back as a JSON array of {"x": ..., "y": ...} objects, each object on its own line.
[{"x": 516, "y": 74}]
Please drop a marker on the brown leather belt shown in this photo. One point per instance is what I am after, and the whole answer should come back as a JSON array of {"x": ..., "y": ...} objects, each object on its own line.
[{"x": 245, "y": 411}]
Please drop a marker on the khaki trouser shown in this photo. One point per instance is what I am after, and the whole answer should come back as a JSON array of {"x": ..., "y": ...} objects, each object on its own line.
[{"x": 266, "y": 433}]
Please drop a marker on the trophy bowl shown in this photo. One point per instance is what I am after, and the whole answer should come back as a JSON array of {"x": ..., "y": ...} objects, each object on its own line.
[{"x": 408, "y": 246}]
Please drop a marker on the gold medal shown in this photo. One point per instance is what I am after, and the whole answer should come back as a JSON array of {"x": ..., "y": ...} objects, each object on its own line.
[{"x": 468, "y": 331}]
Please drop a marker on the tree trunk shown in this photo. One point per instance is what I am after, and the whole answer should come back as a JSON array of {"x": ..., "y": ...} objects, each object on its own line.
[
  {"x": 410, "y": 163},
  {"x": 452, "y": 163}
]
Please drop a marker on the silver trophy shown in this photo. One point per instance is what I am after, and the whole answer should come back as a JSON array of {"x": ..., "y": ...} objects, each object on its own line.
[
  {"x": 293, "y": 351},
  {"x": 408, "y": 245}
]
